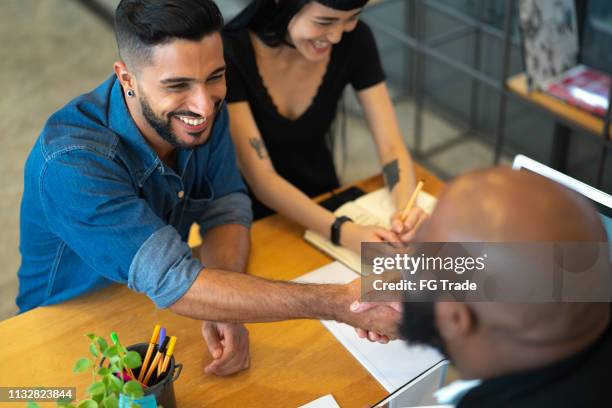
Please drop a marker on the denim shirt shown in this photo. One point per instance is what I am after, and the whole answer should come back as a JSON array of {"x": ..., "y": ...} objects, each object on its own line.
[{"x": 99, "y": 206}]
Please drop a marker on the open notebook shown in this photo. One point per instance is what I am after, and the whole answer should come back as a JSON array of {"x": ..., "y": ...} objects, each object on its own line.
[{"x": 374, "y": 208}]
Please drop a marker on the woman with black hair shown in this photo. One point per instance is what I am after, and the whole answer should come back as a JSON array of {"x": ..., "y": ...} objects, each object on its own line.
[{"x": 288, "y": 62}]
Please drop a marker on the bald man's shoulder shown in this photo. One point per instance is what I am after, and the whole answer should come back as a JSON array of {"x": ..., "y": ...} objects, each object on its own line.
[{"x": 582, "y": 380}]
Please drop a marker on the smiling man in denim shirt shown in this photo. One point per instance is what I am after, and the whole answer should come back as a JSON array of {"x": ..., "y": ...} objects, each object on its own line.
[{"x": 118, "y": 175}]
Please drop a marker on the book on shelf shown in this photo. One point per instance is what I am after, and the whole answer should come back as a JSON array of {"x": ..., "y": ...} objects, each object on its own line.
[{"x": 583, "y": 87}]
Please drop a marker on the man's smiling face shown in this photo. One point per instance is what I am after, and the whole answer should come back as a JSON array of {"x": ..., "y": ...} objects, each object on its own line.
[{"x": 181, "y": 91}]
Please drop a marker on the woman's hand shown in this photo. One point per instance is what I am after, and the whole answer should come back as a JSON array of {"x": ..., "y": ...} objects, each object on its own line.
[
  {"x": 352, "y": 235},
  {"x": 406, "y": 230}
]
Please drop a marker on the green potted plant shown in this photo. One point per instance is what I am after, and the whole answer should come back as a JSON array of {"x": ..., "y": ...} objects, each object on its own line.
[{"x": 108, "y": 380}]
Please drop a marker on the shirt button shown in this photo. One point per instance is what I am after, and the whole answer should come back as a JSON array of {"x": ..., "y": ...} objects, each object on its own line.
[{"x": 181, "y": 194}]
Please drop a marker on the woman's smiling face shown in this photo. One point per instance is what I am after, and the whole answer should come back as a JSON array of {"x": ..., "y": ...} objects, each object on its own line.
[{"x": 316, "y": 28}]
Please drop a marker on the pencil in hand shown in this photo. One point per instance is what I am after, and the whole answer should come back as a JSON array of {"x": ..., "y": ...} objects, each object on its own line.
[{"x": 412, "y": 200}]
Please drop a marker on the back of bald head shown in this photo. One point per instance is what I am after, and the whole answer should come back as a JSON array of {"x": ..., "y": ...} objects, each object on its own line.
[{"x": 504, "y": 205}]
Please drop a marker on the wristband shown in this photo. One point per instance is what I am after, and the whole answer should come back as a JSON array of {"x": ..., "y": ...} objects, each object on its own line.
[{"x": 335, "y": 229}]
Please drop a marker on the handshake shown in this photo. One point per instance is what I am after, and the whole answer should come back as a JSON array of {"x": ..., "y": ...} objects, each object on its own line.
[
  {"x": 228, "y": 343},
  {"x": 373, "y": 321}
]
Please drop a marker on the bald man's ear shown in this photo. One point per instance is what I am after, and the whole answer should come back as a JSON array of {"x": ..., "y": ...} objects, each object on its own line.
[
  {"x": 124, "y": 75},
  {"x": 455, "y": 320}
]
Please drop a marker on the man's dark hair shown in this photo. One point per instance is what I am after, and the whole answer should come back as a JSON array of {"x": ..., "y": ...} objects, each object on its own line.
[
  {"x": 143, "y": 24},
  {"x": 269, "y": 19}
]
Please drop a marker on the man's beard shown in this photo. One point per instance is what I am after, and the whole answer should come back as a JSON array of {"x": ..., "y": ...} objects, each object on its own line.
[
  {"x": 419, "y": 325},
  {"x": 164, "y": 127}
]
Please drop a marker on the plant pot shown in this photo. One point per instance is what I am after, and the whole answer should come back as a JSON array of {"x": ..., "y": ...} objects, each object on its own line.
[
  {"x": 163, "y": 389},
  {"x": 162, "y": 392}
]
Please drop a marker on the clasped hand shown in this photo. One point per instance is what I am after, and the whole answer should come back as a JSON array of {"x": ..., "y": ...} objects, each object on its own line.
[
  {"x": 228, "y": 344},
  {"x": 376, "y": 321}
]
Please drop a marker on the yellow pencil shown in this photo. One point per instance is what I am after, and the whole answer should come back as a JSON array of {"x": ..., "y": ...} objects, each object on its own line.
[
  {"x": 143, "y": 369},
  {"x": 168, "y": 355},
  {"x": 412, "y": 200}
]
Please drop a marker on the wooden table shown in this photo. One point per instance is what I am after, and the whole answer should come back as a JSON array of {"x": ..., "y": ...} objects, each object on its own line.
[{"x": 292, "y": 362}]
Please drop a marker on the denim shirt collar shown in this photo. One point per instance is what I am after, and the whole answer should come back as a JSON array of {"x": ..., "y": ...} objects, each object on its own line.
[{"x": 121, "y": 122}]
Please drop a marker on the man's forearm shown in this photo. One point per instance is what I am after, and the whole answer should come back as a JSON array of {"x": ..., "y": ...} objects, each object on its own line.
[
  {"x": 224, "y": 296},
  {"x": 226, "y": 247},
  {"x": 219, "y": 295}
]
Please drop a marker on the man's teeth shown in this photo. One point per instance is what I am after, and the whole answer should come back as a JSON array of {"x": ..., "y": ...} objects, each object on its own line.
[
  {"x": 320, "y": 44},
  {"x": 192, "y": 121}
]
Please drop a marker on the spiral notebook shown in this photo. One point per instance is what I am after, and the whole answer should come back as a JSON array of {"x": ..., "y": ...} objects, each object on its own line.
[{"x": 375, "y": 208}]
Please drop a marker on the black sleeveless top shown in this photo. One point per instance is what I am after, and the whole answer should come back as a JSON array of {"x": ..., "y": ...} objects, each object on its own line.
[{"x": 298, "y": 148}]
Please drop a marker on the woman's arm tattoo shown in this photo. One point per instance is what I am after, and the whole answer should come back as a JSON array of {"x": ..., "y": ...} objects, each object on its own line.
[
  {"x": 259, "y": 147},
  {"x": 391, "y": 174}
]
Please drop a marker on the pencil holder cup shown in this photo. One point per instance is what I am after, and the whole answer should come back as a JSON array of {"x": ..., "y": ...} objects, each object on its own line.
[{"x": 162, "y": 390}]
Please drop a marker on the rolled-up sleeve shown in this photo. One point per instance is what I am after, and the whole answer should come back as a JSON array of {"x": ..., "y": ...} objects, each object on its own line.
[
  {"x": 90, "y": 202},
  {"x": 234, "y": 208},
  {"x": 163, "y": 268}
]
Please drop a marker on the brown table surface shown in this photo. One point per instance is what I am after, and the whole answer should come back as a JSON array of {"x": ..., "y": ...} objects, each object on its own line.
[
  {"x": 292, "y": 362},
  {"x": 586, "y": 120}
]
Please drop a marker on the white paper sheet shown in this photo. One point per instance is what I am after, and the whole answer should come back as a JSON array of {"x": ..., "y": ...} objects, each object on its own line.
[
  {"x": 392, "y": 364},
  {"x": 380, "y": 203},
  {"x": 324, "y": 402}
]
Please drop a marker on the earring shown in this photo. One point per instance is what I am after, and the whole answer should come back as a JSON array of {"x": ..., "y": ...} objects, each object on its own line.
[{"x": 131, "y": 93}]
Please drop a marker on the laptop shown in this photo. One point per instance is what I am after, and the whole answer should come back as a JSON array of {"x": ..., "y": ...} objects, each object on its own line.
[
  {"x": 602, "y": 201},
  {"x": 417, "y": 392}
]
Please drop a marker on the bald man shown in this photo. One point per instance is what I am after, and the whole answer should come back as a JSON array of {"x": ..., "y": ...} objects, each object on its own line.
[{"x": 521, "y": 355}]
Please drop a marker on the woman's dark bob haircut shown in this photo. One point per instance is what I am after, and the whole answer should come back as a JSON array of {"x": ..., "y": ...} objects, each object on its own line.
[{"x": 269, "y": 19}]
